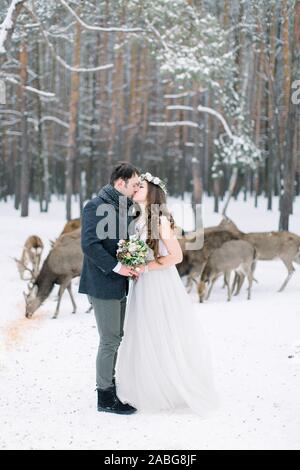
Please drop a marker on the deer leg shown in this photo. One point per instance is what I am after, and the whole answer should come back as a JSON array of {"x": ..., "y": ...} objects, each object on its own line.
[
  {"x": 286, "y": 281},
  {"x": 289, "y": 265},
  {"x": 249, "y": 275},
  {"x": 212, "y": 283},
  {"x": 189, "y": 283},
  {"x": 227, "y": 282},
  {"x": 201, "y": 289},
  {"x": 240, "y": 283},
  {"x": 190, "y": 280},
  {"x": 235, "y": 282},
  {"x": 253, "y": 268},
  {"x": 194, "y": 279},
  {"x": 60, "y": 294},
  {"x": 69, "y": 287}
]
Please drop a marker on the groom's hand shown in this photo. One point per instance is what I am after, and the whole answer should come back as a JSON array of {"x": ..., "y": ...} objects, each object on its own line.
[{"x": 127, "y": 271}]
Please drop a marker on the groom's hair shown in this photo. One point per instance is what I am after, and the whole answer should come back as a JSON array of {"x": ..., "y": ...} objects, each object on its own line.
[{"x": 123, "y": 170}]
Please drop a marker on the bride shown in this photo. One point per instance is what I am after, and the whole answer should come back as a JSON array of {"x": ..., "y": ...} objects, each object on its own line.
[{"x": 164, "y": 361}]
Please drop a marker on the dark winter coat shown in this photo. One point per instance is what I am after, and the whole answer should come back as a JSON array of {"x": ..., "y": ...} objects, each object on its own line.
[{"x": 104, "y": 211}]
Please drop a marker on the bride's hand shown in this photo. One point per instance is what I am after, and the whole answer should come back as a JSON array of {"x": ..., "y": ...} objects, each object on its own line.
[
  {"x": 127, "y": 271},
  {"x": 140, "y": 269}
]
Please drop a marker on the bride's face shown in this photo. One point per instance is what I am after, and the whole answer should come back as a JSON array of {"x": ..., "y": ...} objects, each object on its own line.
[{"x": 141, "y": 194}]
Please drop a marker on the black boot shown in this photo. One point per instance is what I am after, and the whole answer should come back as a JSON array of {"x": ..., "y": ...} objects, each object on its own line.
[{"x": 109, "y": 402}]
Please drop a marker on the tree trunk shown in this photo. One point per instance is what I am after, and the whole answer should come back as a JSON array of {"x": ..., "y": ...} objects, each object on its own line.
[
  {"x": 232, "y": 186},
  {"x": 196, "y": 162},
  {"x": 25, "y": 174},
  {"x": 287, "y": 196},
  {"x": 74, "y": 102},
  {"x": 40, "y": 157},
  {"x": 272, "y": 148}
]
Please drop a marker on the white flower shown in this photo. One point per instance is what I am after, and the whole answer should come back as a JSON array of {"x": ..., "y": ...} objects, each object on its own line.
[
  {"x": 156, "y": 180},
  {"x": 133, "y": 237},
  {"x": 132, "y": 248},
  {"x": 148, "y": 176}
]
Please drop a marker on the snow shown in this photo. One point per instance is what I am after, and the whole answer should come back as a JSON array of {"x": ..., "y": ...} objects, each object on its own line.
[
  {"x": 180, "y": 108},
  {"x": 181, "y": 95},
  {"x": 45, "y": 94},
  {"x": 47, "y": 376},
  {"x": 173, "y": 123}
]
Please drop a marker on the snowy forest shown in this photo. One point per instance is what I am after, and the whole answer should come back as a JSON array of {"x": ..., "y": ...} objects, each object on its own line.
[{"x": 206, "y": 94}]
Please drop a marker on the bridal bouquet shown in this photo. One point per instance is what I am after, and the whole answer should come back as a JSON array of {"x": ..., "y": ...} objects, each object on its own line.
[{"x": 132, "y": 252}]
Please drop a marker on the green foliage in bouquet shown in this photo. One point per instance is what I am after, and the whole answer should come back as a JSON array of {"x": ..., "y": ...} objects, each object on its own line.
[{"x": 132, "y": 252}]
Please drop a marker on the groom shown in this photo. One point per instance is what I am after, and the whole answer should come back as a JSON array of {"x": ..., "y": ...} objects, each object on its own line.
[{"x": 104, "y": 279}]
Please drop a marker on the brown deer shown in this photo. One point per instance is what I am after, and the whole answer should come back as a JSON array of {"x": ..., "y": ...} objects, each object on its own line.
[
  {"x": 63, "y": 263},
  {"x": 71, "y": 225},
  {"x": 194, "y": 261},
  {"x": 235, "y": 256},
  {"x": 31, "y": 257},
  {"x": 271, "y": 245}
]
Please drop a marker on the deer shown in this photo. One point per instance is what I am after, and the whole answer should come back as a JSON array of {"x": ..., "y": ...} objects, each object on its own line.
[
  {"x": 69, "y": 226},
  {"x": 194, "y": 261},
  {"x": 270, "y": 246},
  {"x": 63, "y": 263},
  {"x": 235, "y": 256},
  {"x": 31, "y": 257}
]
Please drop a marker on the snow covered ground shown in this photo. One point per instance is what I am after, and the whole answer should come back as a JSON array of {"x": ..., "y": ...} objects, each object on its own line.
[{"x": 47, "y": 376}]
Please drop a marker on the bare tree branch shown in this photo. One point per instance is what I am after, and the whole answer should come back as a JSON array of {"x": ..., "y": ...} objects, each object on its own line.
[
  {"x": 215, "y": 113},
  {"x": 99, "y": 28},
  {"x": 60, "y": 59},
  {"x": 46, "y": 94},
  {"x": 173, "y": 124}
]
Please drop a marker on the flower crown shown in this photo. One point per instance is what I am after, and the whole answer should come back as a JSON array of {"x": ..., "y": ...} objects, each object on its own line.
[{"x": 155, "y": 180}]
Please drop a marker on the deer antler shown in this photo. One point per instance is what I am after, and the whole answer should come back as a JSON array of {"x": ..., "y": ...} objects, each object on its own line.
[{"x": 19, "y": 262}]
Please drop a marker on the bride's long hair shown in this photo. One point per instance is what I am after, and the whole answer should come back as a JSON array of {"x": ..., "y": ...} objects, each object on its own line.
[{"x": 156, "y": 206}]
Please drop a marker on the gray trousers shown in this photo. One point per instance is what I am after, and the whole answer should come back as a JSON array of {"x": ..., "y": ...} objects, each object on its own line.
[{"x": 110, "y": 316}]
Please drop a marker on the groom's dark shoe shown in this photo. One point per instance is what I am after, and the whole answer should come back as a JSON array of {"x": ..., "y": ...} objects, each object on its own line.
[{"x": 109, "y": 402}]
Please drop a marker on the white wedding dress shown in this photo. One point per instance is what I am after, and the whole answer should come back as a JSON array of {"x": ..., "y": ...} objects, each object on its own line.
[{"x": 164, "y": 360}]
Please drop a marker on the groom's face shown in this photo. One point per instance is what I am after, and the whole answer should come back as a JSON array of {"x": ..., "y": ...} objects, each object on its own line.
[{"x": 129, "y": 187}]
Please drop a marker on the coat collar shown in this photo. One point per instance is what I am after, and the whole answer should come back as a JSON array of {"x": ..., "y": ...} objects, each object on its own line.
[{"x": 111, "y": 195}]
